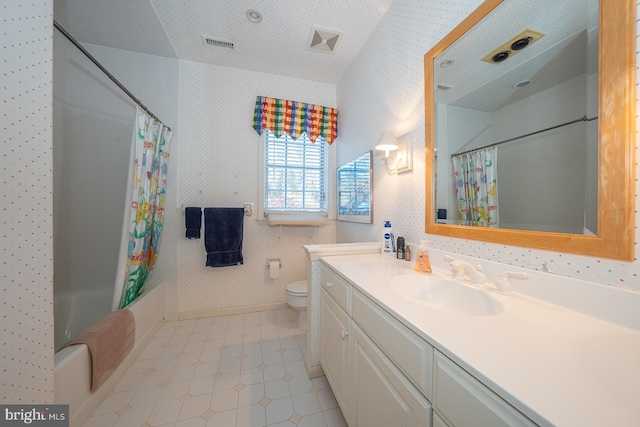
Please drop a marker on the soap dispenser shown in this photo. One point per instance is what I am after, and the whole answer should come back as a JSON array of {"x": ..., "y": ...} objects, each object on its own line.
[{"x": 423, "y": 264}]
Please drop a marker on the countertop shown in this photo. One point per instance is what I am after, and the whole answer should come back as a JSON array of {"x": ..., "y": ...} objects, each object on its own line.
[{"x": 558, "y": 367}]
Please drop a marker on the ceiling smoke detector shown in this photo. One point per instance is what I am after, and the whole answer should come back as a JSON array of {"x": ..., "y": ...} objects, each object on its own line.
[
  {"x": 513, "y": 46},
  {"x": 216, "y": 42},
  {"x": 323, "y": 40}
]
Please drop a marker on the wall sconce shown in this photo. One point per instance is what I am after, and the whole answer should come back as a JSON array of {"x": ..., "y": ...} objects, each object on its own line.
[{"x": 402, "y": 149}]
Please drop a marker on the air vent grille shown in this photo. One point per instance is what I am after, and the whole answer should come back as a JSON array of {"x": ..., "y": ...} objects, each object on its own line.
[
  {"x": 323, "y": 40},
  {"x": 513, "y": 46},
  {"x": 217, "y": 42}
]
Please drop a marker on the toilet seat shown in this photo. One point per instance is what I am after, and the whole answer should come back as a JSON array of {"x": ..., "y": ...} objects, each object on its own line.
[{"x": 297, "y": 288}]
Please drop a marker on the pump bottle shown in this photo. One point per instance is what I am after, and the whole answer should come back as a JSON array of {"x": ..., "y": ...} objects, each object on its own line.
[
  {"x": 423, "y": 264},
  {"x": 387, "y": 239}
]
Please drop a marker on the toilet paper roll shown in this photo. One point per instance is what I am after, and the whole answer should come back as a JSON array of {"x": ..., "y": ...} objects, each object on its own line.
[{"x": 274, "y": 269}]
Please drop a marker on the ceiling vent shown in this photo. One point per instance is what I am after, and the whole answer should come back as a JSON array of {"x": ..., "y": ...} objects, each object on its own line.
[
  {"x": 216, "y": 42},
  {"x": 323, "y": 40},
  {"x": 513, "y": 46}
]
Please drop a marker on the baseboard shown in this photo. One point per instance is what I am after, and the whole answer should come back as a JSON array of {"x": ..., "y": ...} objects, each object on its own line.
[
  {"x": 313, "y": 371},
  {"x": 229, "y": 311}
]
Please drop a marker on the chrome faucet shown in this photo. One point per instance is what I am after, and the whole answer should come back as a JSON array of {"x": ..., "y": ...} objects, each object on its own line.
[{"x": 477, "y": 277}]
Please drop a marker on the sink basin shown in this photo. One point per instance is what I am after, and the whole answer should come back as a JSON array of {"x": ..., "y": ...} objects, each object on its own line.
[{"x": 446, "y": 295}]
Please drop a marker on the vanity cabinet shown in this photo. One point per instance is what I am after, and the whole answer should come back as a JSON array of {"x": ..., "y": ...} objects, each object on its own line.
[
  {"x": 334, "y": 349},
  {"x": 461, "y": 400},
  {"x": 384, "y": 374},
  {"x": 361, "y": 365},
  {"x": 382, "y": 395}
]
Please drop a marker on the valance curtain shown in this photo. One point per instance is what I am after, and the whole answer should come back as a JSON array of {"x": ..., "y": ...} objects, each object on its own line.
[
  {"x": 282, "y": 116},
  {"x": 476, "y": 187}
]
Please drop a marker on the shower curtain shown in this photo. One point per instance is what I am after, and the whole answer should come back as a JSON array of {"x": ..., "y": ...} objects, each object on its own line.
[
  {"x": 476, "y": 187},
  {"x": 144, "y": 210}
]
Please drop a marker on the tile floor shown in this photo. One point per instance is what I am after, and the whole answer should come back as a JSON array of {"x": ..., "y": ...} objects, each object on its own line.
[{"x": 243, "y": 370}]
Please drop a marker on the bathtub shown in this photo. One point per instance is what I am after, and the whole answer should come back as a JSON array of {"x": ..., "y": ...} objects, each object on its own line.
[
  {"x": 72, "y": 370},
  {"x": 75, "y": 310}
]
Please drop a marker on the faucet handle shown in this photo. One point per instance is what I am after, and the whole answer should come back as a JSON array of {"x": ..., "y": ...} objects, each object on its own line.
[
  {"x": 504, "y": 285},
  {"x": 457, "y": 270}
]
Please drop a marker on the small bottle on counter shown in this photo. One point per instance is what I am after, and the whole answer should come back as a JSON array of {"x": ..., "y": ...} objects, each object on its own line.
[
  {"x": 400, "y": 246},
  {"x": 387, "y": 239},
  {"x": 407, "y": 253}
]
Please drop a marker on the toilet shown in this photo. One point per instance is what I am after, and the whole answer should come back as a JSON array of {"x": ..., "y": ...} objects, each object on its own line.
[{"x": 297, "y": 298}]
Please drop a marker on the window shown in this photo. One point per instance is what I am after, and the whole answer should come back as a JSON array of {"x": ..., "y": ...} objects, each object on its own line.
[{"x": 295, "y": 175}]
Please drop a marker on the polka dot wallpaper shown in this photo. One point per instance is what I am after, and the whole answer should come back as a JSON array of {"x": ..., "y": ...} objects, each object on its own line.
[
  {"x": 218, "y": 168},
  {"x": 383, "y": 90},
  {"x": 26, "y": 272}
]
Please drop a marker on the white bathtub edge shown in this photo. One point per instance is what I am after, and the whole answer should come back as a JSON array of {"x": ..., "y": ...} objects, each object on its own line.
[{"x": 72, "y": 372}]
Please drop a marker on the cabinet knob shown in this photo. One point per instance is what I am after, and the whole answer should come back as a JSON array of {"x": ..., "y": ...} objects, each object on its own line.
[
  {"x": 329, "y": 284},
  {"x": 344, "y": 334}
]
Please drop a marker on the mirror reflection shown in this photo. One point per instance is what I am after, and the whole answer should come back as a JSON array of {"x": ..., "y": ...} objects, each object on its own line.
[{"x": 516, "y": 120}]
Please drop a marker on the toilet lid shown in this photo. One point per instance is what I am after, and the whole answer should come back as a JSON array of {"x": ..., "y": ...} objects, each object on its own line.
[{"x": 297, "y": 287}]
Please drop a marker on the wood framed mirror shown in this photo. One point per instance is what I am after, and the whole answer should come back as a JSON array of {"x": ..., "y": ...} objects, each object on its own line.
[{"x": 616, "y": 38}]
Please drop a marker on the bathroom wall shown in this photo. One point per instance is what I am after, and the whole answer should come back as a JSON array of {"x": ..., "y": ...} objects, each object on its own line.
[
  {"x": 93, "y": 123},
  {"x": 26, "y": 293},
  {"x": 218, "y": 168},
  {"x": 383, "y": 90}
]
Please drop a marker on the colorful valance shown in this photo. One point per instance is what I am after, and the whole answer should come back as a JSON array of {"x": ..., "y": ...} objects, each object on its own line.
[{"x": 282, "y": 116}]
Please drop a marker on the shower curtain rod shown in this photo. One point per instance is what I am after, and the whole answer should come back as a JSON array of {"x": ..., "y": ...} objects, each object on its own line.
[
  {"x": 105, "y": 71},
  {"x": 515, "y": 138}
]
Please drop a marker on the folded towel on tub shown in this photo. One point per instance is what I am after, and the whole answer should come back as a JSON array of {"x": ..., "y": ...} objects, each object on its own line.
[
  {"x": 193, "y": 222},
  {"x": 109, "y": 341},
  {"x": 223, "y": 230}
]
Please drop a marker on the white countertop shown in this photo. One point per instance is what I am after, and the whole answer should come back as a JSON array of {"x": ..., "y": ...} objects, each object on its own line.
[{"x": 557, "y": 366}]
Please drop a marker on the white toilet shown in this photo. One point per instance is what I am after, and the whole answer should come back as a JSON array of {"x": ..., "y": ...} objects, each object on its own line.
[{"x": 297, "y": 298}]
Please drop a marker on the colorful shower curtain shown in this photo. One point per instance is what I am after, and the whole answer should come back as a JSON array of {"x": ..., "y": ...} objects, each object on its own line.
[
  {"x": 476, "y": 187},
  {"x": 145, "y": 216}
]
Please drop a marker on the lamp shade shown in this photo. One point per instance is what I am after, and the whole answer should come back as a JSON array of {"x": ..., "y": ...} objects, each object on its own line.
[{"x": 387, "y": 142}]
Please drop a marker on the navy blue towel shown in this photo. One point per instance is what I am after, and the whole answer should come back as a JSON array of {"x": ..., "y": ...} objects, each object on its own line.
[
  {"x": 192, "y": 222},
  {"x": 223, "y": 228}
]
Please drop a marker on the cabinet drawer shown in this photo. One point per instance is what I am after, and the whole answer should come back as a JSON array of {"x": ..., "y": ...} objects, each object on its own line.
[
  {"x": 463, "y": 401},
  {"x": 409, "y": 352},
  {"x": 336, "y": 286}
]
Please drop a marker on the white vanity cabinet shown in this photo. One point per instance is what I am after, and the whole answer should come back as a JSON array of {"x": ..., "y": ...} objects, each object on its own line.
[
  {"x": 334, "y": 349},
  {"x": 371, "y": 389},
  {"x": 463, "y": 401},
  {"x": 382, "y": 395}
]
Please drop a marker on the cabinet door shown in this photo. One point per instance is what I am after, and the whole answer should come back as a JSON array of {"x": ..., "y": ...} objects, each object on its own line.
[
  {"x": 462, "y": 401},
  {"x": 438, "y": 422},
  {"x": 334, "y": 349},
  {"x": 383, "y": 396}
]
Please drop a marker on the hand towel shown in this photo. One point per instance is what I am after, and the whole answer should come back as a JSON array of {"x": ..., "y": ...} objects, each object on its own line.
[
  {"x": 109, "y": 341},
  {"x": 193, "y": 221},
  {"x": 223, "y": 228}
]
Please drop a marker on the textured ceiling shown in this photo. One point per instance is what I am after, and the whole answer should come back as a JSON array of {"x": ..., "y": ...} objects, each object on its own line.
[
  {"x": 566, "y": 50},
  {"x": 277, "y": 45}
]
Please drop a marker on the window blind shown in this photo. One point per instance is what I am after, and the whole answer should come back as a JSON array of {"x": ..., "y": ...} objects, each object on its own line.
[{"x": 295, "y": 174}]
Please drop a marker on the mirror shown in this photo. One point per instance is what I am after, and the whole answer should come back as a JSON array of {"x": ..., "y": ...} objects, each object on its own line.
[
  {"x": 605, "y": 174},
  {"x": 355, "y": 195}
]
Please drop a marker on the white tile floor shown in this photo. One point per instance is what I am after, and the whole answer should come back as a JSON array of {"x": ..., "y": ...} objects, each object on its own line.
[{"x": 243, "y": 370}]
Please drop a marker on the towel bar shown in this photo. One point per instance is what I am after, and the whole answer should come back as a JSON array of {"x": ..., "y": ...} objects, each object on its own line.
[{"x": 248, "y": 209}]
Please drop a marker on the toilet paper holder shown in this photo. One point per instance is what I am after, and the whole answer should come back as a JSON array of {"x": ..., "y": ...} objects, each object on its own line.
[{"x": 270, "y": 260}]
